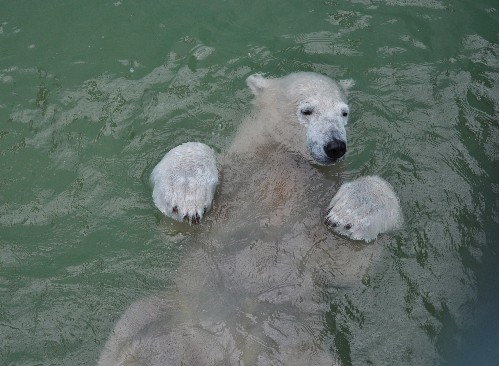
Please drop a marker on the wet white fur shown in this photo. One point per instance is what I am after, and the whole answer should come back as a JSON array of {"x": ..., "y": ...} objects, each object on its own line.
[
  {"x": 277, "y": 117},
  {"x": 364, "y": 208},
  {"x": 184, "y": 181}
]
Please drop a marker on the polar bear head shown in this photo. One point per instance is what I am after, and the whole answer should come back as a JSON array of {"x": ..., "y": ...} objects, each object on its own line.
[{"x": 305, "y": 111}]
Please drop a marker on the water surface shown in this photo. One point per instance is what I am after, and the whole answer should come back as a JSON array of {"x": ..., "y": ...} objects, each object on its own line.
[{"x": 94, "y": 93}]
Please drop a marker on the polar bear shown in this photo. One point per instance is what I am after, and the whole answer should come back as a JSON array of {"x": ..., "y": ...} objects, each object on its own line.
[
  {"x": 303, "y": 113},
  {"x": 254, "y": 288}
]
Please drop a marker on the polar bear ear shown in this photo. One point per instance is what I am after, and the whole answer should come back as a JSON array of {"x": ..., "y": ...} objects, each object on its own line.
[
  {"x": 346, "y": 85},
  {"x": 257, "y": 83}
]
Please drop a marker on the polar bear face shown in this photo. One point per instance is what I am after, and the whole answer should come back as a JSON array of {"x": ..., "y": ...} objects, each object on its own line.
[{"x": 306, "y": 112}]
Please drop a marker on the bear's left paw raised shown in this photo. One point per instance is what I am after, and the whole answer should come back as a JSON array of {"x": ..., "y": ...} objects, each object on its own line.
[
  {"x": 364, "y": 208},
  {"x": 184, "y": 182}
]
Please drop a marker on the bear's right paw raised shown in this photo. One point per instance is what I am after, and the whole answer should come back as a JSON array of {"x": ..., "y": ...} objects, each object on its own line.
[{"x": 184, "y": 182}]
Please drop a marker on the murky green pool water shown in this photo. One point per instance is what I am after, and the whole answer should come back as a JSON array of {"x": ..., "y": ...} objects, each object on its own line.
[{"x": 93, "y": 93}]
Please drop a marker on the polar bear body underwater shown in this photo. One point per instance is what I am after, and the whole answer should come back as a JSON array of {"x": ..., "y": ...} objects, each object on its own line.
[{"x": 254, "y": 288}]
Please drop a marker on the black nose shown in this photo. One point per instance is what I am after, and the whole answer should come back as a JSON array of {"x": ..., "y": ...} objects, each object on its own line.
[{"x": 335, "y": 149}]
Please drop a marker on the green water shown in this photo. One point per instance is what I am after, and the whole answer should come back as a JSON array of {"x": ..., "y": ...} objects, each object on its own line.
[{"x": 93, "y": 93}]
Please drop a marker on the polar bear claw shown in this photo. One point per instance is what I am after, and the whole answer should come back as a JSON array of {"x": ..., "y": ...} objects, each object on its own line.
[
  {"x": 364, "y": 208},
  {"x": 184, "y": 182}
]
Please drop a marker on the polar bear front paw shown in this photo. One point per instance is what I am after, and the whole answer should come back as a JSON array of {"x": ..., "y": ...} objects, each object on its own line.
[
  {"x": 184, "y": 182},
  {"x": 364, "y": 208}
]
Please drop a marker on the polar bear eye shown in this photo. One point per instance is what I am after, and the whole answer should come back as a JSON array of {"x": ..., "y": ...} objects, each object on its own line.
[
  {"x": 307, "y": 111},
  {"x": 344, "y": 113}
]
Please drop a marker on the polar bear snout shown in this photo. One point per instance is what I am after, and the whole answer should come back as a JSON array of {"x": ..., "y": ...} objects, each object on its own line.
[
  {"x": 327, "y": 152},
  {"x": 326, "y": 140},
  {"x": 335, "y": 149}
]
